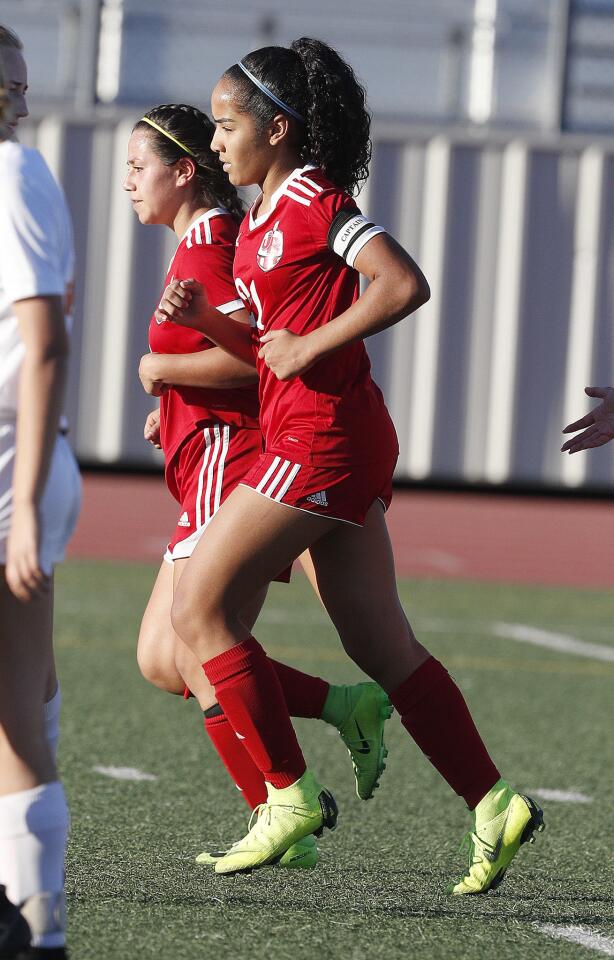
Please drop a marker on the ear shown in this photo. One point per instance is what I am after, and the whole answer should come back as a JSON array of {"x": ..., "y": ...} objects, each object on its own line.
[
  {"x": 278, "y": 129},
  {"x": 186, "y": 171}
]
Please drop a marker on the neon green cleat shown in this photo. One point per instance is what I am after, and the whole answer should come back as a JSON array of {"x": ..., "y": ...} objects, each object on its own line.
[
  {"x": 288, "y": 816},
  {"x": 362, "y": 731},
  {"x": 302, "y": 855},
  {"x": 496, "y": 841}
]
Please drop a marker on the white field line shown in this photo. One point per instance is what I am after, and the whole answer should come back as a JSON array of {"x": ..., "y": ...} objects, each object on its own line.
[
  {"x": 580, "y": 935},
  {"x": 523, "y": 633},
  {"x": 124, "y": 773},
  {"x": 553, "y": 641},
  {"x": 560, "y": 796}
]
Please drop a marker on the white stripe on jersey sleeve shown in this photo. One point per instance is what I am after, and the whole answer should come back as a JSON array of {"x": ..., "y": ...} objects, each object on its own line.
[
  {"x": 348, "y": 234},
  {"x": 360, "y": 242},
  {"x": 297, "y": 185},
  {"x": 231, "y": 306},
  {"x": 311, "y": 183},
  {"x": 298, "y": 199}
]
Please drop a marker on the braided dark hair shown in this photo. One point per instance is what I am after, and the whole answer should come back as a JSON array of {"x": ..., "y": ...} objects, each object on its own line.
[
  {"x": 314, "y": 80},
  {"x": 193, "y": 128}
]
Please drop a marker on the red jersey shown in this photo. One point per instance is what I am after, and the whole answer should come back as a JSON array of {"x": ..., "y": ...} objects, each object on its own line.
[
  {"x": 293, "y": 269},
  {"x": 205, "y": 253}
]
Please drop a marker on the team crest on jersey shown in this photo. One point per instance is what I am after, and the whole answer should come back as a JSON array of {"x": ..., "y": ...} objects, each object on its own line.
[{"x": 271, "y": 249}]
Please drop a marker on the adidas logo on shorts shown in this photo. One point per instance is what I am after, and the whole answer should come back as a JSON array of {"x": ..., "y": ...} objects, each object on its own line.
[
  {"x": 319, "y": 498},
  {"x": 184, "y": 520}
]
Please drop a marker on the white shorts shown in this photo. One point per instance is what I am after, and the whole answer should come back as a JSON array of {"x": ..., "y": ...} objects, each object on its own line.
[{"x": 60, "y": 503}]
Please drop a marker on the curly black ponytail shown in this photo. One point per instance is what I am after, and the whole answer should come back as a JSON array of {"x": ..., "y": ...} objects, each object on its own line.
[
  {"x": 194, "y": 129},
  {"x": 315, "y": 82}
]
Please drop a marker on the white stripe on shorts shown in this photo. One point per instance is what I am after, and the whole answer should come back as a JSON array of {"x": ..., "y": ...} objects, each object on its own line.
[
  {"x": 220, "y": 468},
  {"x": 206, "y": 455},
  {"x": 287, "y": 483},
  {"x": 270, "y": 490},
  {"x": 271, "y": 469},
  {"x": 211, "y": 472}
]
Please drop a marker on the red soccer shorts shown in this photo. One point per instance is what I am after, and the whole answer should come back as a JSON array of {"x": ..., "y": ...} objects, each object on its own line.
[
  {"x": 207, "y": 469},
  {"x": 343, "y": 493}
]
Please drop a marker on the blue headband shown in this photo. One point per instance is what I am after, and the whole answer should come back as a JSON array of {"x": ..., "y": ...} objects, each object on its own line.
[{"x": 261, "y": 86}]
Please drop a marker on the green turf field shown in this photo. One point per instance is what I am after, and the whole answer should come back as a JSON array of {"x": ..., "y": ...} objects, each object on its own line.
[{"x": 379, "y": 891}]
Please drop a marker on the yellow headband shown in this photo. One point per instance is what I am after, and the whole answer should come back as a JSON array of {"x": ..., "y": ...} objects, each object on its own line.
[{"x": 156, "y": 126}]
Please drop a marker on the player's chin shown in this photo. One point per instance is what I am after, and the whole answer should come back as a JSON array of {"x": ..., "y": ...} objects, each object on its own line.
[
  {"x": 144, "y": 215},
  {"x": 234, "y": 175}
]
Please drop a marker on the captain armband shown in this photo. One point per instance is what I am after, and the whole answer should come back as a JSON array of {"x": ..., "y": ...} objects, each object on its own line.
[{"x": 349, "y": 232}]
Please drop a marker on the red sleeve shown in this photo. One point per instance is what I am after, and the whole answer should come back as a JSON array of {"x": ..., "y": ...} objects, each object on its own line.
[
  {"x": 211, "y": 265},
  {"x": 322, "y": 211}
]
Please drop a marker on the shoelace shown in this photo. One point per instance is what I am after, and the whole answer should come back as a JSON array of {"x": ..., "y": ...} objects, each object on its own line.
[
  {"x": 262, "y": 816},
  {"x": 472, "y": 844}
]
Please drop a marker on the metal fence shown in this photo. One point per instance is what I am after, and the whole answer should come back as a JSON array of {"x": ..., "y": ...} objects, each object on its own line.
[{"x": 515, "y": 236}]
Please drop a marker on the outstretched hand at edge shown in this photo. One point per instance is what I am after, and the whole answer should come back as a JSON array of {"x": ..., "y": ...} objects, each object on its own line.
[{"x": 597, "y": 426}]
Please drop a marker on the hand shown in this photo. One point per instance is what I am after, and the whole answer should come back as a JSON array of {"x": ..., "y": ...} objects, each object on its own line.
[
  {"x": 151, "y": 384},
  {"x": 286, "y": 354},
  {"x": 23, "y": 572},
  {"x": 599, "y": 423},
  {"x": 184, "y": 302},
  {"x": 151, "y": 430}
]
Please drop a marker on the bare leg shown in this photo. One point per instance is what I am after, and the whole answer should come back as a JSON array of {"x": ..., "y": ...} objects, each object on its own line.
[
  {"x": 33, "y": 811},
  {"x": 306, "y": 562},
  {"x": 25, "y": 667},
  {"x": 244, "y": 547},
  {"x": 356, "y": 578},
  {"x": 163, "y": 657},
  {"x": 156, "y": 644},
  {"x": 188, "y": 667}
]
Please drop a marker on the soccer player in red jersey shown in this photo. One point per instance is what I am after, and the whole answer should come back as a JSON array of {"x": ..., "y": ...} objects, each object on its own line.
[
  {"x": 294, "y": 122},
  {"x": 210, "y": 435}
]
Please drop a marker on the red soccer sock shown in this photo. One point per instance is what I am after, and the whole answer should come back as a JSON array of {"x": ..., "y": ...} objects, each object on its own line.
[
  {"x": 248, "y": 691},
  {"x": 435, "y": 714},
  {"x": 304, "y": 695},
  {"x": 244, "y": 772}
]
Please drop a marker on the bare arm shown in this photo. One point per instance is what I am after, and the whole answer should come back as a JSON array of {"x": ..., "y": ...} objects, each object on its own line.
[
  {"x": 185, "y": 302},
  {"x": 41, "y": 393},
  {"x": 397, "y": 287},
  {"x": 209, "y": 368}
]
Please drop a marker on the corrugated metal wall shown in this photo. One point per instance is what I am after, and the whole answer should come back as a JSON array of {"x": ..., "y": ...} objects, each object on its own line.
[{"x": 516, "y": 238}]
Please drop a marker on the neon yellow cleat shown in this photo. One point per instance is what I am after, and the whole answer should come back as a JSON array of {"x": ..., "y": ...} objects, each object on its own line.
[
  {"x": 288, "y": 816},
  {"x": 302, "y": 855},
  {"x": 362, "y": 731},
  {"x": 495, "y": 842}
]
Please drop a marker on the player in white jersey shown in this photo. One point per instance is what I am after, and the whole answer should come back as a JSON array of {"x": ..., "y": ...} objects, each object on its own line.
[{"x": 39, "y": 502}]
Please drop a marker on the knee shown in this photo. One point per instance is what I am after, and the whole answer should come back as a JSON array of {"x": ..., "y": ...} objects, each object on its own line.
[
  {"x": 187, "y": 618},
  {"x": 192, "y": 617},
  {"x": 155, "y": 667}
]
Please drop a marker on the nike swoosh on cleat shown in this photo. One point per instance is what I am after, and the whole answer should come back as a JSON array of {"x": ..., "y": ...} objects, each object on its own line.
[
  {"x": 493, "y": 855},
  {"x": 364, "y": 744}
]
